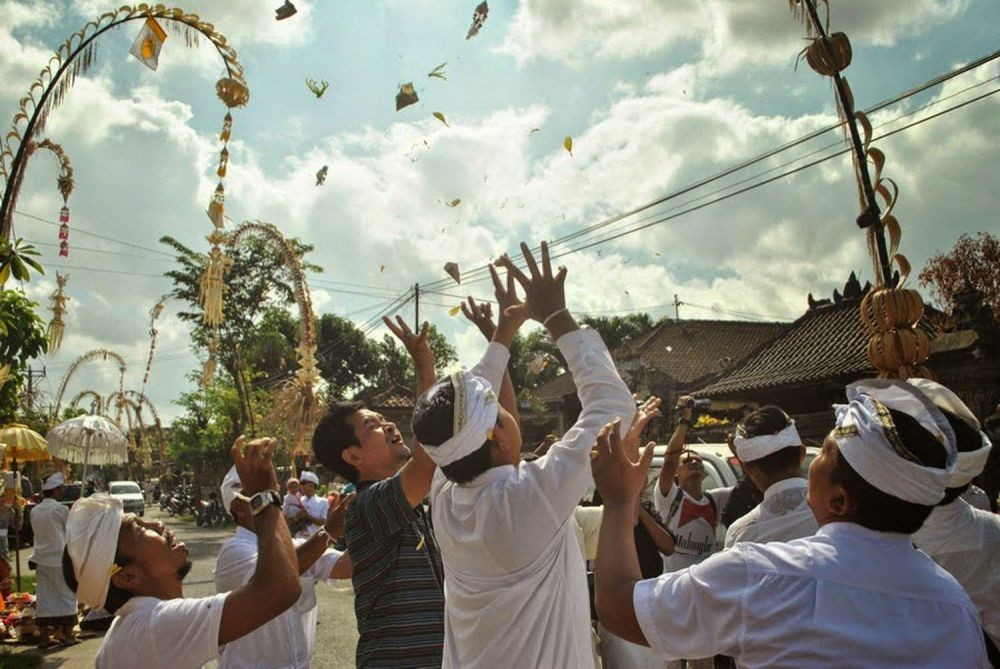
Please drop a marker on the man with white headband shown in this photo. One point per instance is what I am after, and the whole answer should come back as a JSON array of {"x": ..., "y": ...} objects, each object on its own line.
[
  {"x": 514, "y": 576},
  {"x": 771, "y": 452},
  {"x": 316, "y": 506},
  {"x": 962, "y": 539},
  {"x": 55, "y": 605},
  {"x": 287, "y": 641},
  {"x": 133, "y": 568},
  {"x": 855, "y": 594}
]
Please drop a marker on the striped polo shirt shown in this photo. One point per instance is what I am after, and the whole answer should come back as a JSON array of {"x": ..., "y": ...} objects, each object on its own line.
[{"x": 399, "y": 601}]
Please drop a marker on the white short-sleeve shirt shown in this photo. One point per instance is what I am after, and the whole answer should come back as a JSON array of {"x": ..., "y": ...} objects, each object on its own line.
[
  {"x": 845, "y": 597},
  {"x": 693, "y": 523},
  {"x": 151, "y": 633},
  {"x": 783, "y": 515}
]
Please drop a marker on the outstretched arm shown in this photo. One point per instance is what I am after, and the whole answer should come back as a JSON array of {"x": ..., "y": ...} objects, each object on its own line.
[
  {"x": 481, "y": 314},
  {"x": 675, "y": 446}
]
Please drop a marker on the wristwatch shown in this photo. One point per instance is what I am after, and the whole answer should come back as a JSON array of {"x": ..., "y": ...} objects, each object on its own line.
[{"x": 262, "y": 500}]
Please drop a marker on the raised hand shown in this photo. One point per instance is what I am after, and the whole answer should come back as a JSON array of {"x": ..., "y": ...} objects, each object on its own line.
[
  {"x": 649, "y": 410},
  {"x": 416, "y": 345},
  {"x": 253, "y": 462},
  {"x": 545, "y": 294},
  {"x": 619, "y": 479},
  {"x": 481, "y": 315},
  {"x": 338, "y": 513}
]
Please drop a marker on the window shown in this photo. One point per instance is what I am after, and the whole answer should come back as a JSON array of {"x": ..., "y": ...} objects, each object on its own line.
[{"x": 125, "y": 489}]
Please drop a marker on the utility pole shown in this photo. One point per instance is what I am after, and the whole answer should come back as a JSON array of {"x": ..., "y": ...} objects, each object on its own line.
[
  {"x": 416, "y": 308},
  {"x": 32, "y": 375},
  {"x": 677, "y": 311}
]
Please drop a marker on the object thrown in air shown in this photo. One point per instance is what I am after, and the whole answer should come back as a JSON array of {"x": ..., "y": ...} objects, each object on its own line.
[
  {"x": 478, "y": 19},
  {"x": 285, "y": 11},
  {"x": 317, "y": 88},
  {"x": 438, "y": 72},
  {"x": 321, "y": 175},
  {"x": 452, "y": 269},
  {"x": 406, "y": 96}
]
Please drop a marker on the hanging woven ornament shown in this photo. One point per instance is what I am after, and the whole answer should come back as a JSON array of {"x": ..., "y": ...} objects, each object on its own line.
[
  {"x": 63, "y": 249},
  {"x": 64, "y": 230},
  {"x": 223, "y": 162},
  {"x": 227, "y": 127},
  {"x": 217, "y": 206},
  {"x": 208, "y": 368},
  {"x": 54, "y": 333},
  {"x": 213, "y": 281}
]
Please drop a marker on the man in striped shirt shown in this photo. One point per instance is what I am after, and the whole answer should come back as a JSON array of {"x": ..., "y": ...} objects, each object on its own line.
[{"x": 398, "y": 583}]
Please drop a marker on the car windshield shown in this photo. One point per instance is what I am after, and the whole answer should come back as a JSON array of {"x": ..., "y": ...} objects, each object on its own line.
[{"x": 124, "y": 488}]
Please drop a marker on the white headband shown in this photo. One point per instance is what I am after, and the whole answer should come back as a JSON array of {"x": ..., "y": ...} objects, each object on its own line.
[
  {"x": 475, "y": 415},
  {"x": 969, "y": 464},
  {"x": 870, "y": 442},
  {"x": 53, "y": 482},
  {"x": 754, "y": 448},
  {"x": 92, "y": 541}
]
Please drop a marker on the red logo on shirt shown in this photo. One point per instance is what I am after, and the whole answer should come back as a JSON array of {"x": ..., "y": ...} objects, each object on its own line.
[{"x": 691, "y": 512}]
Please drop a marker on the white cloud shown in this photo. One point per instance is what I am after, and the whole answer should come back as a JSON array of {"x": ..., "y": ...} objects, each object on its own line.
[{"x": 730, "y": 32}]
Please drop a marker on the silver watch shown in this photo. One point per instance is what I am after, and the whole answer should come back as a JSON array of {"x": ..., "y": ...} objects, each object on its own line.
[{"x": 262, "y": 500}]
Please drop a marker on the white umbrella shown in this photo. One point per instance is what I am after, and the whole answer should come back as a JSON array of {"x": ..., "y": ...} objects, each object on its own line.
[{"x": 90, "y": 440}]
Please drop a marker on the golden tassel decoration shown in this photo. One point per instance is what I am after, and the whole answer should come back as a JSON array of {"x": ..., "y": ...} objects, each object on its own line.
[
  {"x": 227, "y": 128},
  {"x": 57, "y": 327},
  {"x": 213, "y": 282},
  {"x": 208, "y": 368},
  {"x": 217, "y": 207},
  {"x": 223, "y": 162}
]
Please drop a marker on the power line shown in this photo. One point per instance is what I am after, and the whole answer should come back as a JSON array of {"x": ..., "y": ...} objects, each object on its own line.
[{"x": 84, "y": 231}]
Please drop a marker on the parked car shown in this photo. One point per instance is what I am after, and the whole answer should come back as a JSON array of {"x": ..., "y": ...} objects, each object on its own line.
[
  {"x": 131, "y": 496},
  {"x": 71, "y": 493}
]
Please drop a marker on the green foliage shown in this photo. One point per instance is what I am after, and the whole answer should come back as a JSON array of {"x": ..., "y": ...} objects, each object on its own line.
[
  {"x": 395, "y": 366},
  {"x": 617, "y": 331},
  {"x": 349, "y": 359},
  {"x": 24, "y": 340},
  {"x": 16, "y": 259}
]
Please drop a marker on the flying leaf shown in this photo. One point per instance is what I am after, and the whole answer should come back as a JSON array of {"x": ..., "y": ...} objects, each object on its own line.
[
  {"x": 438, "y": 72},
  {"x": 454, "y": 311},
  {"x": 453, "y": 203},
  {"x": 568, "y": 144},
  {"x": 317, "y": 88},
  {"x": 452, "y": 269},
  {"x": 406, "y": 96},
  {"x": 286, "y": 10},
  {"x": 478, "y": 19},
  {"x": 534, "y": 130},
  {"x": 321, "y": 175},
  {"x": 439, "y": 116}
]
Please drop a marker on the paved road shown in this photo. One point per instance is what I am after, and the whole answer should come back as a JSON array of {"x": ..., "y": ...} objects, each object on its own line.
[{"x": 336, "y": 636}]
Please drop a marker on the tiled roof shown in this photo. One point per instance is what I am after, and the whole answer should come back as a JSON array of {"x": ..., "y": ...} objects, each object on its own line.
[
  {"x": 827, "y": 342},
  {"x": 395, "y": 397},
  {"x": 686, "y": 351}
]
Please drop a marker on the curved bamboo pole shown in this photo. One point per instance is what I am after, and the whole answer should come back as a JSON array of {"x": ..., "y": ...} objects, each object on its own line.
[
  {"x": 101, "y": 353},
  {"x": 96, "y": 404},
  {"x": 66, "y": 64},
  {"x": 140, "y": 400}
]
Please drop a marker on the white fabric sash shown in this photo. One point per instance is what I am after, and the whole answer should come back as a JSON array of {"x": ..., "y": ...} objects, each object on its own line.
[
  {"x": 475, "y": 415},
  {"x": 970, "y": 464},
  {"x": 92, "y": 541},
  {"x": 868, "y": 439},
  {"x": 754, "y": 448}
]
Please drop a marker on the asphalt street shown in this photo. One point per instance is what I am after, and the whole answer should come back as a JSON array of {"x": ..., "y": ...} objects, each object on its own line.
[{"x": 336, "y": 636}]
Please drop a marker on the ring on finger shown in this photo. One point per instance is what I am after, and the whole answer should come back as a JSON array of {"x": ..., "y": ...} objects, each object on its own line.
[{"x": 594, "y": 452}]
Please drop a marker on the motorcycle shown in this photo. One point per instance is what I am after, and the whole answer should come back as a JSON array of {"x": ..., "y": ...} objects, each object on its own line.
[{"x": 209, "y": 511}]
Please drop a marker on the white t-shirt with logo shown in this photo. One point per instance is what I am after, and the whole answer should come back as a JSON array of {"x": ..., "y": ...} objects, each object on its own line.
[
  {"x": 693, "y": 524},
  {"x": 151, "y": 633}
]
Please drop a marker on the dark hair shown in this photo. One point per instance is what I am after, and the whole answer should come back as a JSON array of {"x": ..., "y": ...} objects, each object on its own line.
[
  {"x": 771, "y": 419},
  {"x": 433, "y": 424},
  {"x": 880, "y": 511},
  {"x": 49, "y": 493},
  {"x": 116, "y": 596},
  {"x": 992, "y": 424},
  {"x": 967, "y": 438},
  {"x": 333, "y": 435}
]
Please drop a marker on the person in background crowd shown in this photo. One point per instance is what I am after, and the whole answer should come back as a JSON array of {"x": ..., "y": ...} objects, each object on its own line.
[
  {"x": 398, "y": 584},
  {"x": 287, "y": 641},
  {"x": 690, "y": 514},
  {"x": 771, "y": 452},
  {"x": 857, "y": 593},
  {"x": 315, "y": 506},
  {"x": 989, "y": 480},
  {"x": 55, "y": 605},
  {"x": 292, "y": 508},
  {"x": 962, "y": 539},
  {"x": 134, "y": 568},
  {"x": 515, "y": 578},
  {"x": 10, "y": 517}
]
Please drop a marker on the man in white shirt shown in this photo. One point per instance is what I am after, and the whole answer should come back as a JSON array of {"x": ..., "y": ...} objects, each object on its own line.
[
  {"x": 962, "y": 539},
  {"x": 287, "y": 641},
  {"x": 55, "y": 605},
  {"x": 515, "y": 583},
  {"x": 856, "y": 594},
  {"x": 134, "y": 569},
  {"x": 315, "y": 506},
  {"x": 771, "y": 453}
]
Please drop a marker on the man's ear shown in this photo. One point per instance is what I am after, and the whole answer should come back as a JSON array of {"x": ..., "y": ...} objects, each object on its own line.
[
  {"x": 126, "y": 578},
  {"x": 353, "y": 456},
  {"x": 840, "y": 503}
]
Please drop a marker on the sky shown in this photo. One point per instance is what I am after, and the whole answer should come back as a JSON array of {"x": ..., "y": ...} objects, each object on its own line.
[{"x": 657, "y": 95}]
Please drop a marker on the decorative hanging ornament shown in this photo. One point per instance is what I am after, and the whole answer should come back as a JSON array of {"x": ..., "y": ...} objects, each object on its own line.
[
  {"x": 63, "y": 249},
  {"x": 208, "y": 368},
  {"x": 147, "y": 45},
  {"x": 227, "y": 127},
  {"x": 64, "y": 231},
  {"x": 213, "y": 281},
  {"x": 54, "y": 333},
  {"x": 223, "y": 162},
  {"x": 217, "y": 207},
  {"x": 232, "y": 92}
]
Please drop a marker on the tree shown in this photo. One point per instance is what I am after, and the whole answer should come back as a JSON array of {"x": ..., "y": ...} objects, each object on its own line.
[
  {"x": 972, "y": 261},
  {"x": 23, "y": 339},
  {"x": 15, "y": 261},
  {"x": 349, "y": 359},
  {"x": 395, "y": 366},
  {"x": 619, "y": 330}
]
